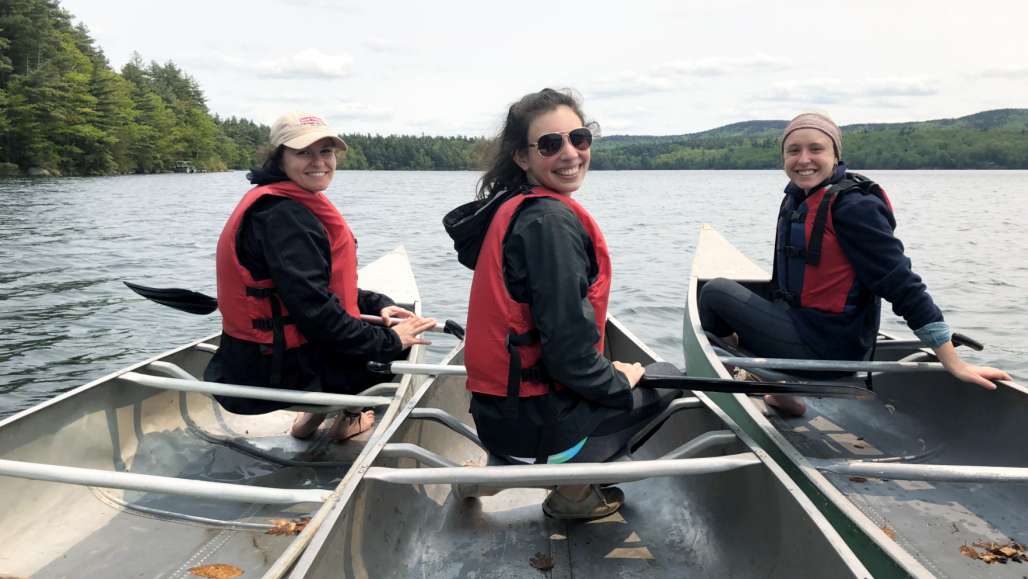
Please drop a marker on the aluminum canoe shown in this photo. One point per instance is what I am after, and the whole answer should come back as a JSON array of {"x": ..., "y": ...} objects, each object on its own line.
[{"x": 909, "y": 479}]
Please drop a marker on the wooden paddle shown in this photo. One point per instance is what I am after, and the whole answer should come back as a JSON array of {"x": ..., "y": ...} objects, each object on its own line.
[
  {"x": 667, "y": 375},
  {"x": 202, "y": 304}
]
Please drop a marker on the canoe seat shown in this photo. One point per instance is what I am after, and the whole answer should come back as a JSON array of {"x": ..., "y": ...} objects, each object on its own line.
[{"x": 723, "y": 348}]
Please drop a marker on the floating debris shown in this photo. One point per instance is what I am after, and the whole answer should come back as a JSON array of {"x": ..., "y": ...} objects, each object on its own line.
[
  {"x": 995, "y": 553},
  {"x": 858, "y": 479},
  {"x": 542, "y": 562},
  {"x": 889, "y": 532},
  {"x": 216, "y": 571},
  {"x": 287, "y": 527}
]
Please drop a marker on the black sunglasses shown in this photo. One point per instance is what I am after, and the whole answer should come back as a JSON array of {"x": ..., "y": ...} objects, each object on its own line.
[{"x": 551, "y": 143}]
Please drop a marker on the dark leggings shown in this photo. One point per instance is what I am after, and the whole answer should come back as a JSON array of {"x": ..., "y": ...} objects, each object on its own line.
[
  {"x": 764, "y": 327},
  {"x": 611, "y": 436}
]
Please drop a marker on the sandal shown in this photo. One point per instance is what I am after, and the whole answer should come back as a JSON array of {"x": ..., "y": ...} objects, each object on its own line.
[{"x": 350, "y": 424}]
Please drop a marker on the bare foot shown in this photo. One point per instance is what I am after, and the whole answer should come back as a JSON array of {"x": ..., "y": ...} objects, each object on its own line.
[
  {"x": 349, "y": 425},
  {"x": 788, "y": 406},
  {"x": 305, "y": 425}
]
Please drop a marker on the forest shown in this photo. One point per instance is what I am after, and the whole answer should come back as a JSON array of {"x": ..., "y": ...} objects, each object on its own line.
[{"x": 65, "y": 111}]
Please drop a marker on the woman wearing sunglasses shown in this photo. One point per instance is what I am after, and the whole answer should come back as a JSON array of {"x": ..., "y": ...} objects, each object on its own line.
[
  {"x": 287, "y": 286},
  {"x": 542, "y": 392},
  {"x": 835, "y": 257}
]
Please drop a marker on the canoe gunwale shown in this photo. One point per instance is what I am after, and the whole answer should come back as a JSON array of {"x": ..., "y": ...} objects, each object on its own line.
[{"x": 924, "y": 472}]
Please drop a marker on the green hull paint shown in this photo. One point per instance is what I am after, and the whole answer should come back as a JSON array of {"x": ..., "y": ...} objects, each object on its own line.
[{"x": 871, "y": 555}]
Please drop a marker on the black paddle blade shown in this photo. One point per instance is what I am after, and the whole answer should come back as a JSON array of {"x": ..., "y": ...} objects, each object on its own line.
[
  {"x": 666, "y": 375},
  {"x": 180, "y": 299},
  {"x": 454, "y": 329}
]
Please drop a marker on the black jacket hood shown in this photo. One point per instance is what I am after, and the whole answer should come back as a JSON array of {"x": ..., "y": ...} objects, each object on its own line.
[{"x": 468, "y": 224}]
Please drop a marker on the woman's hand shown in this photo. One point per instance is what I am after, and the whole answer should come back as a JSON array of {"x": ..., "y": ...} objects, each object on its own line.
[
  {"x": 389, "y": 313},
  {"x": 634, "y": 372},
  {"x": 980, "y": 375},
  {"x": 410, "y": 329}
]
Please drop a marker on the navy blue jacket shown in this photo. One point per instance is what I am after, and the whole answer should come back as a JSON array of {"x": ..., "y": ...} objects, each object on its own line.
[{"x": 864, "y": 227}]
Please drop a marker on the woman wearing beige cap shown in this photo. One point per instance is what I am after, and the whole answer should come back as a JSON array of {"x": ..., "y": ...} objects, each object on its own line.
[
  {"x": 287, "y": 286},
  {"x": 835, "y": 257}
]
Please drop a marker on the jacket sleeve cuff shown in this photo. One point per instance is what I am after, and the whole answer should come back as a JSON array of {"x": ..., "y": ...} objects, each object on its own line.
[{"x": 934, "y": 334}]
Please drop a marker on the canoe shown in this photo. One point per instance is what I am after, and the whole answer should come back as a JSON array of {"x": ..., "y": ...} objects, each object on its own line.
[
  {"x": 910, "y": 479},
  {"x": 703, "y": 501},
  {"x": 140, "y": 473}
]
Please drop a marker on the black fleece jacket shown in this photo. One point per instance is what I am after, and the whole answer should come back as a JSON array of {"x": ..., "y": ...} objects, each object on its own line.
[
  {"x": 549, "y": 263},
  {"x": 282, "y": 240}
]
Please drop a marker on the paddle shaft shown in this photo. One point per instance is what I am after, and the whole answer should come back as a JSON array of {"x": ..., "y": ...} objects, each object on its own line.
[
  {"x": 197, "y": 303},
  {"x": 660, "y": 381}
]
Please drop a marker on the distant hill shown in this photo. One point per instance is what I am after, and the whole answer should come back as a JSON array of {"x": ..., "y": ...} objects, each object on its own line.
[{"x": 996, "y": 139}]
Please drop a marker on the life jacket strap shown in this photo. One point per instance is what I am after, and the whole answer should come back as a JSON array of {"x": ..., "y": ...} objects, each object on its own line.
[
  {"x": 276, "y": 325},
  {"x": 812, "y": 255},
  {"x": 515, "y": 373}
]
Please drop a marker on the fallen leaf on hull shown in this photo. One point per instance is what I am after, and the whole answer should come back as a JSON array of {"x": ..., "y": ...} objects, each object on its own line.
[
  {"x": 287, "y": 527},
  {"x": 542, "y": 562},
  {"x": 968, "y": 551},
  {"x": 216, "y": 571},
  {"x": 996, "y": 553}
]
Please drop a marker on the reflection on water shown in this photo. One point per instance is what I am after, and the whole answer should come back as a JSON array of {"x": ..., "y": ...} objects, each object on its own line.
[{"x": 66, "y": 245}]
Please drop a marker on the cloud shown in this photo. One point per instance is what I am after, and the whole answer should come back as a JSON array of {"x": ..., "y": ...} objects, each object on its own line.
[
  {"x": 357, "y": 111},
  {"x": 381, "y": 45},
  {"x": 713, "y": 67},
  {"x": 826, "y": 91},
  {"x": 352, "y": 6},
  {"x": 308, "y": 63},
  {"x": 674, "y": 75},
  {"x": 1011, "y": 72}
]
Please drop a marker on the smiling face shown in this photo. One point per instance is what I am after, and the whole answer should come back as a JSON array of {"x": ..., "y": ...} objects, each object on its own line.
[
  {"x": 564, "y": 171},
  {"x": 809, "y": 158},
  {"x": 311, "y": 168}
]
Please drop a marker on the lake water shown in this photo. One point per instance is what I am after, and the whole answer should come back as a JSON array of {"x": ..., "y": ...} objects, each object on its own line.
[{"x": 67, "y": 244}]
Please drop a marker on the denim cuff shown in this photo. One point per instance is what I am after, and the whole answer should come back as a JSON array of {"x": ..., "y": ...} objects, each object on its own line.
[{"x": 934, "y": 334}]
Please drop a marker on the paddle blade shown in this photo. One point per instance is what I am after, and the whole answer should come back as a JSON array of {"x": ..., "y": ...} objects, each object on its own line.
[
  {"x": 180, "y": 299},
  {"x": 666, "y": 375}
]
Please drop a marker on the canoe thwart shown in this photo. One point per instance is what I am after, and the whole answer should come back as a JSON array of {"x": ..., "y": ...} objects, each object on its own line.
[
  {"x": 547, "y": 475},
  {"x": 418, "y": 453},
  {"x": 160, "y": 484},
  {"x": 448, "y": 420},
  {"x": 707, "y": 440},
  {"x": 256, "y": 392}
]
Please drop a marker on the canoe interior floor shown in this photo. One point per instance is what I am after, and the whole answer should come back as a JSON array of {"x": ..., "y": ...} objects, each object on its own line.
[
  {"x": 717, "y": 525},
  {"x": 101, "y": 530},
  {"x": 931, "y": 520}
]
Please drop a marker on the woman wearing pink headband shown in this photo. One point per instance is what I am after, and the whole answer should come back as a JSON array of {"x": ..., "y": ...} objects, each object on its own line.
[{"x": 836, "y": 256}]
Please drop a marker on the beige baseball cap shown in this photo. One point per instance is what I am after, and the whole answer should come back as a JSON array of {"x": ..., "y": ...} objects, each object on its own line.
[{"x": 300, "y": 130}]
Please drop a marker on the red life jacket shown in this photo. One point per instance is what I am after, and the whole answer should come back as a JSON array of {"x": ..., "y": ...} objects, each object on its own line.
[
  {"x": 501, "y": 348},
  {"x": 248, "y": 306},
  {"x": 811, "y": 270}
]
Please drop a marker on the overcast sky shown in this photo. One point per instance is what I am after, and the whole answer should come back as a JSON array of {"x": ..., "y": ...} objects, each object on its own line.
[{"x": 642, "y": 66}]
